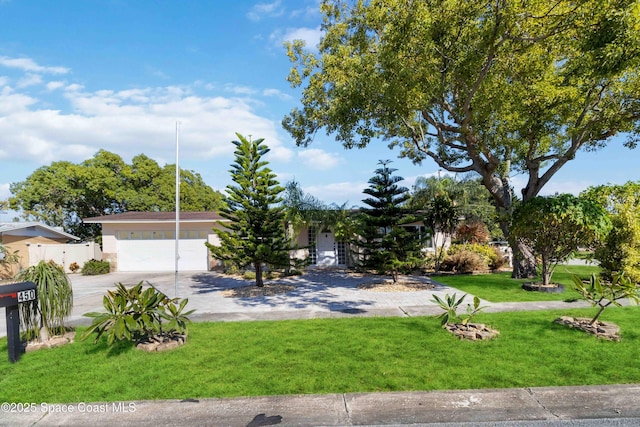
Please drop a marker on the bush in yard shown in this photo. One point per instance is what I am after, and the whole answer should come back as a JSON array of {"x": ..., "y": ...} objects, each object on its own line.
[
  {"x": 464, "y": 261},
  {"x": 555, "y": 227},
  {"x": 134, "y": 314},
  {"x": 94, "y": 267},
  {"x": 604, "y": 293},
  {"x": 471, "y": 257},
  {"x": 53, "y": 304}
]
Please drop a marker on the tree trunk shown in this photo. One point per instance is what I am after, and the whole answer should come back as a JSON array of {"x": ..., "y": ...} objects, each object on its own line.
[
  {"x": 524, "y": 261},
  {"x": 258, "y": 267}
]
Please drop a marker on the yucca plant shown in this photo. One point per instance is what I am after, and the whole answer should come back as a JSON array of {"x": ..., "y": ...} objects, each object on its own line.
[{"x": 54, "y": 303}]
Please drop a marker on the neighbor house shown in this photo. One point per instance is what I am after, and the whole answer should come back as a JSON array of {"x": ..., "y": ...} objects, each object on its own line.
[{"x": 33, "y": 242}]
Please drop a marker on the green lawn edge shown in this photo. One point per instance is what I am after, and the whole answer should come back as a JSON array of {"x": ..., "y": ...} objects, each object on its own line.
[
  {"x": 319, "y": 356},
  {"x": 500, "y": 287}
]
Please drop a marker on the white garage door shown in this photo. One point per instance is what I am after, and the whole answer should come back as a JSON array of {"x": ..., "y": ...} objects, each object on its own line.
[{"x": 159, "y": 255}]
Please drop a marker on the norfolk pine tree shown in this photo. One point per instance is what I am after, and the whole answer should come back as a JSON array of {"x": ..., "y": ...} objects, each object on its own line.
[
  {"x": 386, "y": 245},
  {"x": 255, "y": 233}
]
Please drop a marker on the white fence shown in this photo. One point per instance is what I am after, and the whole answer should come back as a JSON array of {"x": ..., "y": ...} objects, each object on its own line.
[{"x": 64, "y": 255}]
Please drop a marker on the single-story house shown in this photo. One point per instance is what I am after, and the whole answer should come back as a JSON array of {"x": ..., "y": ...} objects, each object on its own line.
[
  {"x": 145, "y": 241},
  {"x": 25, "y": 237}
]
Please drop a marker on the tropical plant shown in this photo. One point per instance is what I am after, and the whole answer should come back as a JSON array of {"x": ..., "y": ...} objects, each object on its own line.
[
  {"x": 442, "y": 218},
  {"x": 496, "y": 88},
  {"x": 134, "y": 314},
  {"x": 53, "y": 304},
  {"x": 450, "y": 306},
  {"x": 603, "y": 293}
]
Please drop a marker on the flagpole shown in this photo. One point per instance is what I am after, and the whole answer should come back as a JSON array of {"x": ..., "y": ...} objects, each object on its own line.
[{"x": 177, "y": 253}]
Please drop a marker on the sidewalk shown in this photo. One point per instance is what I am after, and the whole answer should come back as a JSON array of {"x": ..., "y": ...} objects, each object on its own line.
[
  {"x": 610, "y": 405},
  {"x": 325, "y": 294}
]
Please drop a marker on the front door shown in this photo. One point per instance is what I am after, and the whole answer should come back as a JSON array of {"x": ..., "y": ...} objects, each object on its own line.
[{"x": 326, "y": 245}]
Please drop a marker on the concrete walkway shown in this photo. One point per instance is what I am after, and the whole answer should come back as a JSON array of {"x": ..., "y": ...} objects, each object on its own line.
[{"x": 323, "y": 294}]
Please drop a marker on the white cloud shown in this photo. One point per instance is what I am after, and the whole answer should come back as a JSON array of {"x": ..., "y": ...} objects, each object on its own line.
[
  {"x": 29, "y": 65},
  {"x": 29, "y": 80},
  {"x": 318, "y": 159},
  {"x": 311, "y": 36},
  {"x": 4, "y": 192},
  {"x": 240, "y": 90},
  {"x": 262, "y": 10},
  {"x": 276, "y": 93},
  {"x": 130, "y": 122},
  {"x": 339, "y": 192},
  {"x": 54, "y": 85}
]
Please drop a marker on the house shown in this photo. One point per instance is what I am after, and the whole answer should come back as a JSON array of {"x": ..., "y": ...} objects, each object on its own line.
[
  {"x": 33, "y": 242},
  {"x": 146, "y": 241}
]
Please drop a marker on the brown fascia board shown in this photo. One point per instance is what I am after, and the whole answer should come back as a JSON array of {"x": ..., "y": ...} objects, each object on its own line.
[{"x": 146, "y": 217}]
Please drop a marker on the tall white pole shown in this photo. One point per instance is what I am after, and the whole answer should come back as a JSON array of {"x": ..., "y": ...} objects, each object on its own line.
[{"x": 177, "y": 206}]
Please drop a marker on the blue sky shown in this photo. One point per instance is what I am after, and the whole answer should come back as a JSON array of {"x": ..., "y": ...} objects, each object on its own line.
[{"x": 79, "y": 76}]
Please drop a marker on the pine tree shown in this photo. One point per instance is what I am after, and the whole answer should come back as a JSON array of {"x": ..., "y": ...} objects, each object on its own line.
[
  {"x": 255, "y": 234},
  {"x": 386, "y": 245}
]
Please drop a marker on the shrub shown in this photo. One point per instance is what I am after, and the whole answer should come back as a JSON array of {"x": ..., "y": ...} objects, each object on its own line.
[
  {"x": 94, "y": 267},
  {"x": 604, "y": 293},
  {"x": 463, "y": 262},
  {"x": 469, "y": 257},
  {"x": 134, "y": 314},
  {"x": 54, "y": 302},
  {"x": 473, "y": 232}
]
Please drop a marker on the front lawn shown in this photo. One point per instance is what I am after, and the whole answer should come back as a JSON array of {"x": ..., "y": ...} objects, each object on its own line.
[
  {"x": 500, "y": 287},
  {"x": 228, "y": 359}
]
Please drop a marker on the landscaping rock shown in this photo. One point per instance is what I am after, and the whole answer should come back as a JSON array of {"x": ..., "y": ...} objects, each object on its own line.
[
  {"x": 161, "y": 343},
  {"x": 604, "y": 330},
  {"x": 472, "y": 331},
  {"x": 554, "y": 288},
  {"x": 55, "y": 341}
]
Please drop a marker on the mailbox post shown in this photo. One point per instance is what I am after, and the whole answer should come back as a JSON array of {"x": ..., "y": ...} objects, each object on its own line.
[{"x": 10, "y": 298}]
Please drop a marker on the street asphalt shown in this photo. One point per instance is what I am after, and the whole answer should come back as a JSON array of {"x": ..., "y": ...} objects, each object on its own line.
[{"x": 325, "y": 294}]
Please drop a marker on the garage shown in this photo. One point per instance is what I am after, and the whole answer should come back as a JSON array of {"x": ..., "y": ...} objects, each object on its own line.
[
  {"x": 159, "y": 255},
  {"x": 145, "y": 241}
]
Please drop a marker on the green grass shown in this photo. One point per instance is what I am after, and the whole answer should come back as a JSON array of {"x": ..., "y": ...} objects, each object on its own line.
[
  {"x": 500, "y": 287},
  {"x": 229, "y": 359}
]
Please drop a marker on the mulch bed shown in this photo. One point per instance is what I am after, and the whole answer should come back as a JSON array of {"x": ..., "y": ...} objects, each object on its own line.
[{"x": 399, "y": 286}]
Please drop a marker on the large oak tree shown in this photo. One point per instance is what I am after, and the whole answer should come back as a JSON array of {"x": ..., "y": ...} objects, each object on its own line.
[{"x": 495, "y": 87}]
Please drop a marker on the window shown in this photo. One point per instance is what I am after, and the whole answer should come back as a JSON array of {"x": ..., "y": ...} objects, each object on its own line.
[
  {"x": 313, "y": 250},
  {"x": 342, "y": 253}
]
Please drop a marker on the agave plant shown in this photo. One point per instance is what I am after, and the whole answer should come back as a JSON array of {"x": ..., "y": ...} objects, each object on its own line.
[{"x": 54, "y": 302}]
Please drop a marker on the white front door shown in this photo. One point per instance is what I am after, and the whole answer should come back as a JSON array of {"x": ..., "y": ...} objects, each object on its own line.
[{"x": 326, "y": 245}]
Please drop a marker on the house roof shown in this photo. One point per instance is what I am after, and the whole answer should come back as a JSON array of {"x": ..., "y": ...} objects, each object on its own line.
[
  {"x": 144, "y": 217},
  {"x": 33, "y": 229}
]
